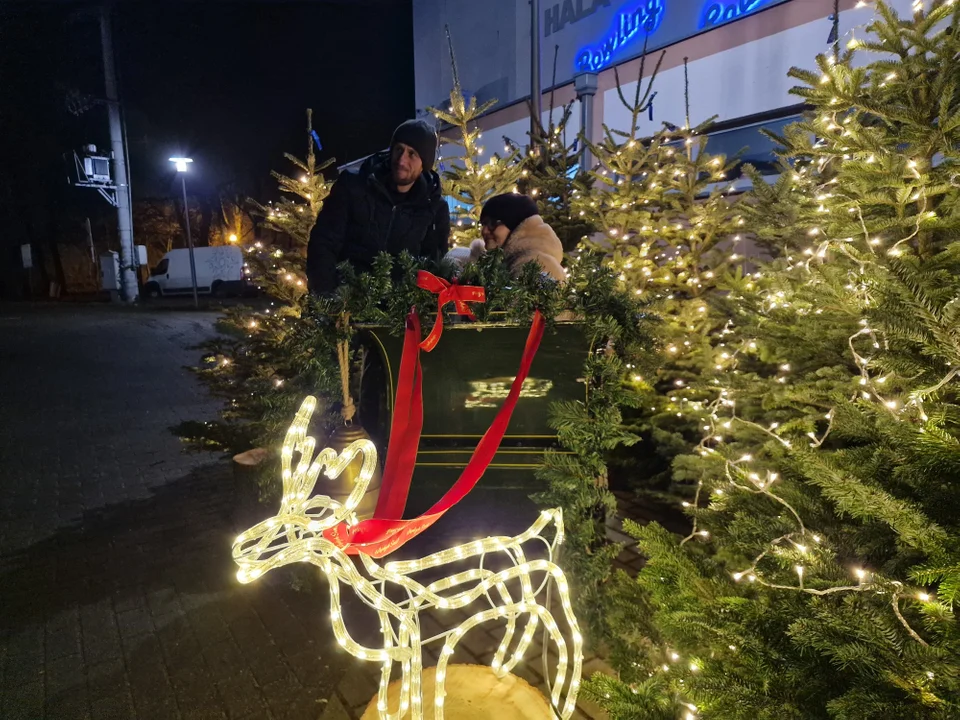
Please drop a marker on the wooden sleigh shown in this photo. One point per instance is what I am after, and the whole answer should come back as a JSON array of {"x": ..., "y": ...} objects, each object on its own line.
[{"x": 470, "y": 376}]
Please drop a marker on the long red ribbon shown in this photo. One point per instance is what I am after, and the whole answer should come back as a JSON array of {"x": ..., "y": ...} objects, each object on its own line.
[
  {"x": 386, "y": 531},
  {"x": 405, "y": 429},
  {"x": 408, "y": 408}
]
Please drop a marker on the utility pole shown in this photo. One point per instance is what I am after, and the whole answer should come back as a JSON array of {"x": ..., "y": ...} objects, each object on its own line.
[
  {"x": 535, "y": 93},
  {"x": 129, "y": 288}
]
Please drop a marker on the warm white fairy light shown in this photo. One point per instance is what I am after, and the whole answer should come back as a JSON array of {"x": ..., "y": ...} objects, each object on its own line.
[
  {"x": 295, "y": 534},
  {"x": 801, "y": 542},
  {"x": 740, "y": 477}
]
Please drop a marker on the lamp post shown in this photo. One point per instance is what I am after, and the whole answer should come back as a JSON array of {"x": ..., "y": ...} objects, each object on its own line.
[
  {"x": 586, "y": 85},
  {"x": 536, "y": 110},
  {"x": 181, "y": 165}
]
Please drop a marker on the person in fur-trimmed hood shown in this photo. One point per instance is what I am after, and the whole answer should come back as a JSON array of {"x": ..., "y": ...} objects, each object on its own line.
[{"x": 512, "y": 222}]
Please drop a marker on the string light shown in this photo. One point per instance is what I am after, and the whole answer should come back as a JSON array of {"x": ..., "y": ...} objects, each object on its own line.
[{"x": 295, "y": 534}]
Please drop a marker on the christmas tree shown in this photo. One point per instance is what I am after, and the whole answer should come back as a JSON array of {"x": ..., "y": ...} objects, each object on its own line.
[
  {"x": 660, "y": 203},
  {"x": 467, "y": 178},
  {"x": 671, "y": 229},
  {"x": 552, "y": 173},
  {"x": 821, "y": 575},
  {"x": 281, "y": 271},
  {"x": 263, "y": 362}
]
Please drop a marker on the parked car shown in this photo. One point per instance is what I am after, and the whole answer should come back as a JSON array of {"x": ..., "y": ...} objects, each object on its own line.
[{"x": 220, "y": 272}]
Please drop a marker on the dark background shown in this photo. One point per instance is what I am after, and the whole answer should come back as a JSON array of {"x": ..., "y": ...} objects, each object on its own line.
[{"x": 226, "y": 83}]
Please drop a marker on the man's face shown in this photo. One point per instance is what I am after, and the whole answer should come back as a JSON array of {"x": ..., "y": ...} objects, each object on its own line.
[{"x": 405, "y": 164}]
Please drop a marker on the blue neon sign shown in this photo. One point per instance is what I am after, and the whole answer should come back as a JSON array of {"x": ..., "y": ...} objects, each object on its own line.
[
  {"x": 644, "y": 19},
  {"x": 718, "y": 12}
]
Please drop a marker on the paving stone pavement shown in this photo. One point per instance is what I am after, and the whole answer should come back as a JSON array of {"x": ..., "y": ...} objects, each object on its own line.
[
  {"x": 117, "y": 596},
  {"x": 117, "y": 592}
]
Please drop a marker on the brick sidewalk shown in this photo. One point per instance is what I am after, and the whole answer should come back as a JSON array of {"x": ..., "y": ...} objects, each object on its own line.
[{"x": 116, "y": 587}]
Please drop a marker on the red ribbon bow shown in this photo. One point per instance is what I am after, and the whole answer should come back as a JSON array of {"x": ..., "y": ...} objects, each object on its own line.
[{"x": 448, "y": 292}]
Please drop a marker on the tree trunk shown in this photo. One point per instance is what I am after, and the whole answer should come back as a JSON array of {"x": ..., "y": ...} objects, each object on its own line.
[
  {"x": 206, "y": 219},
  {"x": 59, "y": 276}
]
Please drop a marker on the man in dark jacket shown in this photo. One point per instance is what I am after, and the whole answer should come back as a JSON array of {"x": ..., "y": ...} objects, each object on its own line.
[{"x": 391, "y": 204}]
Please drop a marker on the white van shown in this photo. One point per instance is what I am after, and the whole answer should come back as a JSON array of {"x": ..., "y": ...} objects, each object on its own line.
[{"x": 220, "y": 272}]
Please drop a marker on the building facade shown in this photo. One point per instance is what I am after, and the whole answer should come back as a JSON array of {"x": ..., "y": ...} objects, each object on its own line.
[{"x": 737, "y": 54}]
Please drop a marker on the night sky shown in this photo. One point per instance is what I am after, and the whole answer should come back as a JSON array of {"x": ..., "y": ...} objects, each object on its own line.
[{"x": 224, "y": 82}]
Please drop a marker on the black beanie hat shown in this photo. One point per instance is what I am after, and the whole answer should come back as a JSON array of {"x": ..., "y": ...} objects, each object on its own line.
[
  {"x": 511, "y": 209},
  {"x": 421, "y": 136}
]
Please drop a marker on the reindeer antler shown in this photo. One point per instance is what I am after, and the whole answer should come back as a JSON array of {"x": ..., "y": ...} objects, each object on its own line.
[
  {"x": 299, "y": 483},
  {"x": 295, "y": 533}
]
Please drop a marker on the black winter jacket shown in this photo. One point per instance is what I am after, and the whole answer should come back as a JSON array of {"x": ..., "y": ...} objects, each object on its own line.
[{"x": 361, "y": 218}]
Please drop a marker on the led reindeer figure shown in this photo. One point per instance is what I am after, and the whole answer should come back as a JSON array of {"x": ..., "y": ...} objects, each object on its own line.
[{"x": 296, "y": 534}]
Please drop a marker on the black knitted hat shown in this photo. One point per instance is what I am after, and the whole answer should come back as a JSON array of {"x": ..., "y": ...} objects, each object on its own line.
[
  {"x": 421, "y": 136},
  {"x": 510, "y": 209}
]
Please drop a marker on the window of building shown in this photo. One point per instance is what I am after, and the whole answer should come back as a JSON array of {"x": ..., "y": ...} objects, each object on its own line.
[
  {"x": 457, "y": 209},
  {"x": 752, "y": 145}
]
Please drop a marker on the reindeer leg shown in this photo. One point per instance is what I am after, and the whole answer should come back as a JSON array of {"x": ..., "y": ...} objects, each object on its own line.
[
  {"x": 497, "y": 663},
  {"x": 382, "y": 699},
  {"x": 573, "y": 687},
  {"x": 416, "y": 685},
  {"x": 560, "y": 677},
  {"x": 389, "y": 653},
  {"x": 411, "y": 669},
  {"x": 523, "y": 573}
]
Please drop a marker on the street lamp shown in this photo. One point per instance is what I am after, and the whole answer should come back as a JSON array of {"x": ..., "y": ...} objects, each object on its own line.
[
  {"x": 586, "y": 85},
  {"x": 181, "y": 164}
]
